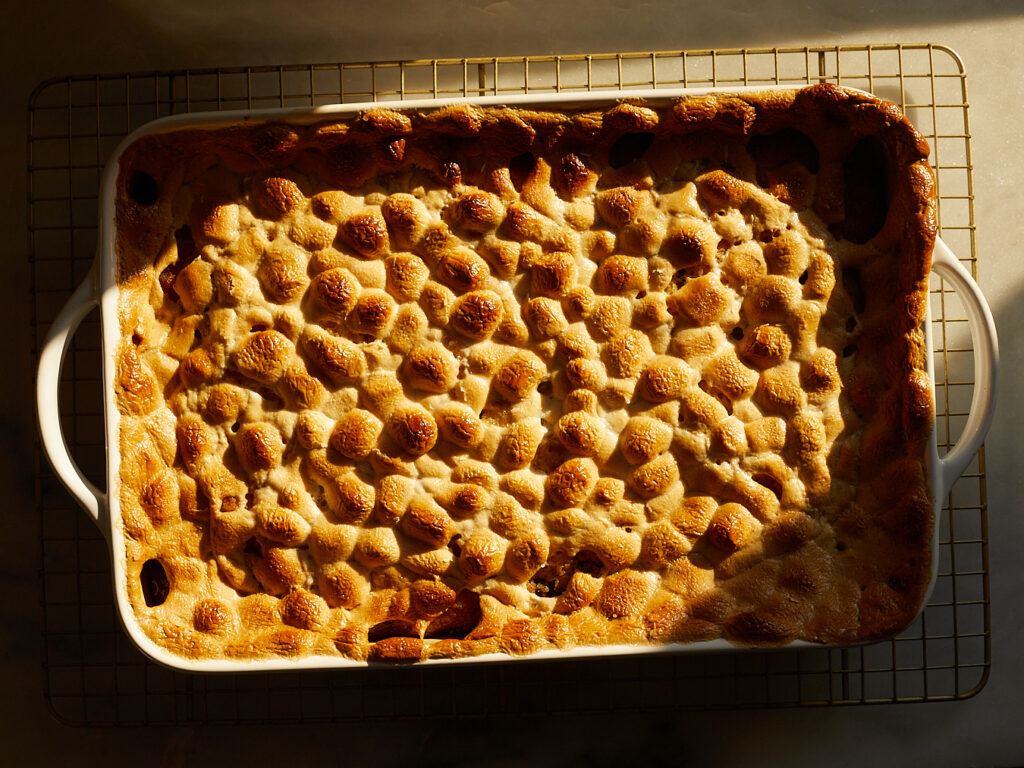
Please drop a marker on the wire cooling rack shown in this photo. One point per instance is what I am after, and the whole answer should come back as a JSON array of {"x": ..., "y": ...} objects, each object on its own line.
[{"x": 92, "y": 673}]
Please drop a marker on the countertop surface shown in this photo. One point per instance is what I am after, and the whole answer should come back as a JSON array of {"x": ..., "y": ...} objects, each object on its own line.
[{"x": 49, "y": 39}]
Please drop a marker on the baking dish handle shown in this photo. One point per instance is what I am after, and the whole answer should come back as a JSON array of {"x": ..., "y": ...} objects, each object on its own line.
[
  {"x": 51, "y": 362},
  {"x": 986, "y": 364}
]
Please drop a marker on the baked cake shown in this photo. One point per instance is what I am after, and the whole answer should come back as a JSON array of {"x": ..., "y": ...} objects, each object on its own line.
[{"x": 470, "y": 380}]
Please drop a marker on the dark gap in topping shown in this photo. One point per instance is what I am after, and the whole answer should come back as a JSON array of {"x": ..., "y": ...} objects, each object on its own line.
[
  {"x": 136, "y": 338},
  {"x": 865, "y": 190},
  {"x": 545, "y": 387},
  {"x": 553, "y": 579},
  {"x": 187, "y": 251},
  {"x": 392, "y": 628},
  {"x": 520, "y": 167},
  {"x": 849, "y": 350},
  {"x": 455, "y": 545},
  {"x": 250, "y": 498},
  {"x": 736, "y": 333},
  {"x": 202, "y": 502},
  {"x": 629, "y": 147},
  {"x": 154, "y": 582},
  {"x": 259, "y": 327},
  {"x": 851, "y": 324},
  {"x": 641, "y": 294},
  {"x": 781, "y": 148},
  {"x": 253, "y": 547},
  {"x": 142, "y": 188},
  {"x": 770, "y": 482},
  {"x": 588, "y": 562},
  {"x": 235, "y": 426},
  {"x": 197, "y": 335},
  {"x": 803, "y": 278},
  {"x": 462, "y": 371},
  {"x": 840, "y": 546},
  {"x": 544, "y": 584},
  {"x": 855, "y": 290},
  {"x": 458, "y": 620},
  {"x": 680, "y": 278}
]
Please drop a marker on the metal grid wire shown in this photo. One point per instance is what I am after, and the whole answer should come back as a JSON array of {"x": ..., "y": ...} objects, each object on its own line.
[{"x": 93, "y": 674}]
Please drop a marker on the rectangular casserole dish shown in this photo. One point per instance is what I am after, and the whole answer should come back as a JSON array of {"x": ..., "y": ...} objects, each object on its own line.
[{"x": 587, "y": 596}]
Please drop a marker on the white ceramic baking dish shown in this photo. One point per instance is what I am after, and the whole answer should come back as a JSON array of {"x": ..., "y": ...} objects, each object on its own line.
[{"x": 100, "y": 289}]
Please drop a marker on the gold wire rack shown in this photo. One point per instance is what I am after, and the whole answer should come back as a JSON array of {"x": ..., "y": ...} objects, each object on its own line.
[{"x": 94, "y": 676}]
